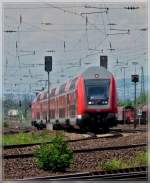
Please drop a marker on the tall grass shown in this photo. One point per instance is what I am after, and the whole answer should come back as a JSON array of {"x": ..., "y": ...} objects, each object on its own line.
[{"x": 25, "y": 138}]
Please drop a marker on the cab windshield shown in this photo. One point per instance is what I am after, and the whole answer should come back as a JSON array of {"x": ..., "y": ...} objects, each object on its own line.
[{"x": 97, "y": 91}]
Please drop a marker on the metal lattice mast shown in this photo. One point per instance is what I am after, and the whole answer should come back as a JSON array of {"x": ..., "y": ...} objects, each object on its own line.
[{"x": 142, "y": 84}]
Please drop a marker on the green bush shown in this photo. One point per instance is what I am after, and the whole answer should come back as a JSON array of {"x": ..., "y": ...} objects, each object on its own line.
[
  {"x": 140, "y": 159},
  {"x": 114, "y": 164},
  {"x": 55, "y": 156}
]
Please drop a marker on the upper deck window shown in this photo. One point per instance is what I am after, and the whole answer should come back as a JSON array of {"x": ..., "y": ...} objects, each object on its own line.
[
  {"x": 62, "y": 88},
  {"x": 45, "y": 95},
  {"x": 73, "y": 84},
  {"x": 38, "y": 97},
  {"x": 53, "y": 92}
]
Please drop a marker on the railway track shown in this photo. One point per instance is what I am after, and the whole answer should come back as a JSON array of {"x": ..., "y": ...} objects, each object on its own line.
[
  {"x": 127, "y": 130},
  {"x": 136, "y": 173},
  {"x": 29, "y": 129},
  {"x": 15, "y": 131},
  {"x": 92, "y": 136},
  {"x": 28, "y": 155}
]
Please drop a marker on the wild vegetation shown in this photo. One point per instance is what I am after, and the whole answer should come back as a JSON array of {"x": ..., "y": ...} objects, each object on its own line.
[
  {"x": 140, "y": 159},
  {"x": 25, "y": 138},
  {"x": 56, "y": 156}
]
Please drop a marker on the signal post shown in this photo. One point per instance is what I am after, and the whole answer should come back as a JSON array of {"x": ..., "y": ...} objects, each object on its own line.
[
  {"x": 48, "y": 69},
  {"x": 135, "y": 79}
]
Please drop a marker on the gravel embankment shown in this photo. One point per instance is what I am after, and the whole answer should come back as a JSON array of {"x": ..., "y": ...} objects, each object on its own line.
[{"x": 25, "y": 168}]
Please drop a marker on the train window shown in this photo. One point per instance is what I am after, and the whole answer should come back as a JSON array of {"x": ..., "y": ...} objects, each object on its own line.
[
  {"x": 72, "y": 109},
  {"x": 45, "y": 115},
  {"x": 38, "y": 115},
  {"x": 38, "y": 97},
  {"x": 52, "y": 113},
  {"x": 53, "y": 92},
  {"x": 97, "y": 91},
  {"x": 62, "y": 112},
  {"x": 67, "y": 99},
  {"x": 62, "y": 88},
  {"x": 45, "y": 96},
  {"x": 73, "y": 83}
]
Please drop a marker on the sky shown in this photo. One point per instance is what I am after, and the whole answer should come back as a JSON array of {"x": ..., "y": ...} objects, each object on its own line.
[{"x": 75, "y": 35}]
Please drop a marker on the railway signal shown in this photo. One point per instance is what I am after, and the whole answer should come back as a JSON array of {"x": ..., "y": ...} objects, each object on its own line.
[
  {"x": 135, "y": 79},
  {"x": 48, "y": 63},
  {"x": 48, "y": 69},
  {"x": 103, "y": 61}
]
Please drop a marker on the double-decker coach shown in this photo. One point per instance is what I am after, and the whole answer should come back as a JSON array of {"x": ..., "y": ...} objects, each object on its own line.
[{"x": 88, "y": 101}]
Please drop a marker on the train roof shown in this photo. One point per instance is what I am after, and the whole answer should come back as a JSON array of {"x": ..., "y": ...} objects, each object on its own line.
[{"x": 91, "y": 72}]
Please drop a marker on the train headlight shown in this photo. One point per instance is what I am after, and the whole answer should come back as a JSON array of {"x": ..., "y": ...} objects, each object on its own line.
[
  {"x": 79, "y": 116},
  {"x": 89, "y": 102},
  {"x": 96, "y": 75}
]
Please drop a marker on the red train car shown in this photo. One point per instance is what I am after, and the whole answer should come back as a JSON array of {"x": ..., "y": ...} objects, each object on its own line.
[
  {"x": 89, "y": 101},
  {"x": 126, "y": 114}
]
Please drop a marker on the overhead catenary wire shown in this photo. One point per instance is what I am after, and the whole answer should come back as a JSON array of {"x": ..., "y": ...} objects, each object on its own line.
[
  {"x": 85, "y": 55},
  {"x": 71, "y": 5}
]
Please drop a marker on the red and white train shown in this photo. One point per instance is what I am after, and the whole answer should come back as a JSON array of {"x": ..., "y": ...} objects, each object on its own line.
[{"x": 89, "y": 101}]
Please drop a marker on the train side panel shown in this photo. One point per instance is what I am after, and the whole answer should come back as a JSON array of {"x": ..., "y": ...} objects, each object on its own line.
[{"x": 81, "y": 98}]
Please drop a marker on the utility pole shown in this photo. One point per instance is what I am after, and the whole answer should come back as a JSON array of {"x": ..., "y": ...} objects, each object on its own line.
[
  {"x": 124, "y": 88},
  {"x": 123, "y": 68},
  {"x": 135, "y": 64},
  {"x": 142, "y": 85}
]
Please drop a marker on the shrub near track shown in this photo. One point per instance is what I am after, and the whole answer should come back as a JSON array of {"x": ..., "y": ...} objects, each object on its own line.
[
  {"x": 114, "y": 164},
  {"x": 55, "y": 156},
  {"x": 140, "y": 159}
]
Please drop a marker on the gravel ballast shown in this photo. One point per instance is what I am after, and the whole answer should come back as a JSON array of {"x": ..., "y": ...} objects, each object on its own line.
[{"x": 25, "y": 168}]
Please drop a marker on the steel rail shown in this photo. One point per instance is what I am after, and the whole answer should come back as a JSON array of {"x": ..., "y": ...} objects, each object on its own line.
[
  {"x": 16, "y": 131},
  {"x": 109, "y": 148},
  {"x": 69, "y": 141},
  {"x": 118, "y": 174},
  {"x": 128, "y": 130},
  {"x": 28, "y": 155}
]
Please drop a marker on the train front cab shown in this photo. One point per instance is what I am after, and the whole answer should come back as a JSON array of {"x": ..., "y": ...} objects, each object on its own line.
[{"x": 97, "y": 101}]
